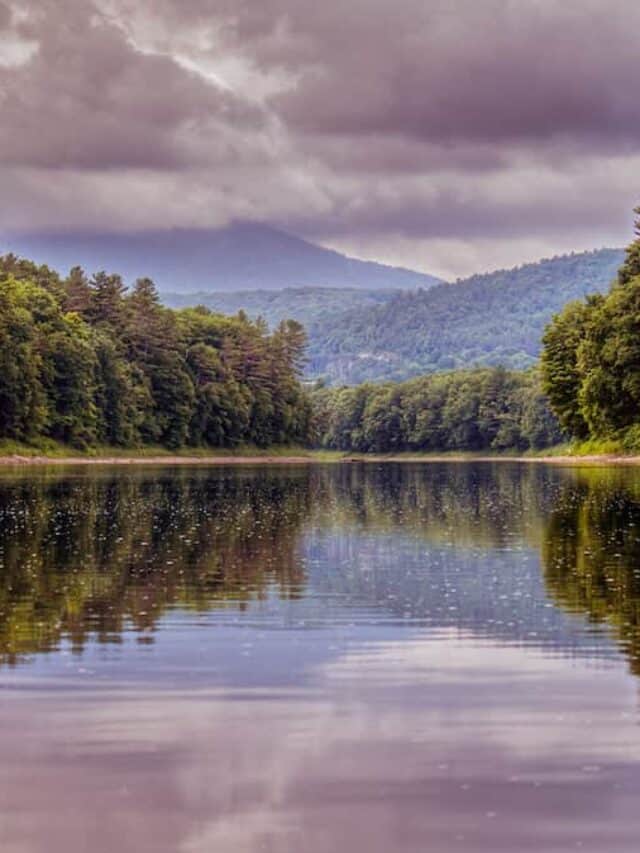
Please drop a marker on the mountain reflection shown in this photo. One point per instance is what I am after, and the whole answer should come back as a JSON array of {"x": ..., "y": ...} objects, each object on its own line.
[{"x": 86, "y": 556}]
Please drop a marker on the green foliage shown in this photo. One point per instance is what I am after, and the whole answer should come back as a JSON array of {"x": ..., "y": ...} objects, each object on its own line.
[
  {"x": 386, "y": 335},
  {"x": 22, "y": 397},
  {"x": 486, "y": 320},
  {"x": 485, "y": 409},
  {"x": 631, "y": 266},
  {"x": 559, "y": 362},
  {"x": 311, "y": 306},
  {"x": 85, "y": 362},
  {"x": 69, "y": 378},
  {"x": 591, "y": 360}
]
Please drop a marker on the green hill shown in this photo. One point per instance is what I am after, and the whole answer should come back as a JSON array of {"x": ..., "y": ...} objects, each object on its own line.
[
  {"x": 492, "y": 319},
  {"x": 357, "y": 335},
  {"x": 309, "y": 305}
]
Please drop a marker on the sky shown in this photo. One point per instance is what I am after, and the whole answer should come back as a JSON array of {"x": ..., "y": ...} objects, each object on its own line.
[{"x": 452, "y": 136}]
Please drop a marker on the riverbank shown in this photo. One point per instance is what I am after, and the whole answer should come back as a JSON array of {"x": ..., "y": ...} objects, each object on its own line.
[
  {"x": 153, "y": 460},
  {"x": 49, "y": 452},
  {"x": 549, "y": 459},
  {"x": 288, "y": 456}
]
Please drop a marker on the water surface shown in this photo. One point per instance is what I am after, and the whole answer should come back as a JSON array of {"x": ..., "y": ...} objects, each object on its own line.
[{"x": 412, "y": 657}]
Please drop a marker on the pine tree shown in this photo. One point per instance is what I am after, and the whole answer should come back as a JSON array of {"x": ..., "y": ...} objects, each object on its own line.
[{"x": 631, "y": 267}]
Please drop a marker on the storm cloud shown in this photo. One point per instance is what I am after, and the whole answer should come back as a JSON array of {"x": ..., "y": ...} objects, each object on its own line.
[{"x": 450, "y": 134}]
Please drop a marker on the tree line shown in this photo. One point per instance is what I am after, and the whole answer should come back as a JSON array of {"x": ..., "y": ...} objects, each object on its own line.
[
  {"x": 591, "y": 359},
  {"x": 85, "y": 361},
  {"x": 472, "y": 410}
]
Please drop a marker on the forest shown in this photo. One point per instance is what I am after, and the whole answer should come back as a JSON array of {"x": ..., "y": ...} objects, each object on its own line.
[
  {"x": 486, "y": 320},
  {"x": 87, "y": 362},
  {"x": 382, "y": 334},
  {"x": 590, "y": 361},
  {"x": 587, "y": 385},
  {"x": 315, "y": 307},
  {"x": 467, "y": 410}
]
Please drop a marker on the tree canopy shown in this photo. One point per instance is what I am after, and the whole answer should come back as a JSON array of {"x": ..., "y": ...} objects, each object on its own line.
[
  {"x": 472, "y": 410},
  {"x": 85, "y": 361},
  {"x": 591, "y": 359}
]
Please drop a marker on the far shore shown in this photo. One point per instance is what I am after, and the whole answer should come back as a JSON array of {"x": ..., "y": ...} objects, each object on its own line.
[
  {"x": 564, "y": 459},
  {"x": 155, "y": 460},
  {"x": 312, "y": 457}
]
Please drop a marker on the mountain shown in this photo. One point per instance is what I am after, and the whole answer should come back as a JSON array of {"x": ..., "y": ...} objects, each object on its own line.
[
  {"x": 491, "y": 319},
  {"x": 311, "y": 306},
  {"x": 365, "y": 321},
  {"x": 242, "y": 256}
]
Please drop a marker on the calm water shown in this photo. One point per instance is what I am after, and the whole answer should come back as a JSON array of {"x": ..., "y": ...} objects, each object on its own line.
[{"x": 322, "y": 659}]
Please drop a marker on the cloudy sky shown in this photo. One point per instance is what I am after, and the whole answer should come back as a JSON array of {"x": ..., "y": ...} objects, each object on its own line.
[{"x": 448, "y": 135}]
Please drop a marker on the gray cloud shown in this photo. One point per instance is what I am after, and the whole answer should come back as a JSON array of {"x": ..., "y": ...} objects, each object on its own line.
[
  {"x": 5, "y": 16},
  {"x": 498, "y": 72},
  {"x": 442, "y": 69},
  {"x": 90, "y": 99},
  {"x": 417, "y": 122}
]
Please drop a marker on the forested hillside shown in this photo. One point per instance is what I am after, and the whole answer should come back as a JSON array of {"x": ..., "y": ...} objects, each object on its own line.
[
  {"x": 469, "y": 410},
  {"x": 84, "y": 362},
  {"x": 494, "y": 319},
  {"x": 310, "y": 306}
]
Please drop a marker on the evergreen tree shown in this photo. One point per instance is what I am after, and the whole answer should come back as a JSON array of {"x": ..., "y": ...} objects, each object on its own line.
[
  {"x": 631, "y": 267},
  {"x": 86, "y": 361}
]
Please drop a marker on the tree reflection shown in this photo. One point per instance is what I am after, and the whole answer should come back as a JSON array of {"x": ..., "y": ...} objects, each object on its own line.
[
  {"x": 591, "y": 552},
  {"x": 91, "y": 554}
]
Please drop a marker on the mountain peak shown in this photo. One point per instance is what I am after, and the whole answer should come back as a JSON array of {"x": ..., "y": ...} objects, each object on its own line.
[{"x": 244, "y": 255}]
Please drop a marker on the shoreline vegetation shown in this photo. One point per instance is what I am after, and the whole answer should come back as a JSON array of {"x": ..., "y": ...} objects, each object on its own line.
[{"x": 12, "y": 455}]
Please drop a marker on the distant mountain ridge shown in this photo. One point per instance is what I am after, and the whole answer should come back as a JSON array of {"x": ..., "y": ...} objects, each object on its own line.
[
  {"x": 309, "y": 305},
  {"x": 241, "y": 256},
  {"x": 491, "y": 319}
]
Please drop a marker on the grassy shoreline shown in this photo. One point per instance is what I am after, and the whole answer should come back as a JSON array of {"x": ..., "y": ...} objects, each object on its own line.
[{"x": 52, "y": 453}]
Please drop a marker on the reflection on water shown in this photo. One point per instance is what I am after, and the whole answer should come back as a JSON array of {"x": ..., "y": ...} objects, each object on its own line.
[
  {"x": 90, "y": 555},
  {"x": 591, "y": 553},
  {"x": 320, "y": 658}
]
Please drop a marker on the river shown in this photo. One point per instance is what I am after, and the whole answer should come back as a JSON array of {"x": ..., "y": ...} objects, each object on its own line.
[{"x": 320, "y": 658}]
